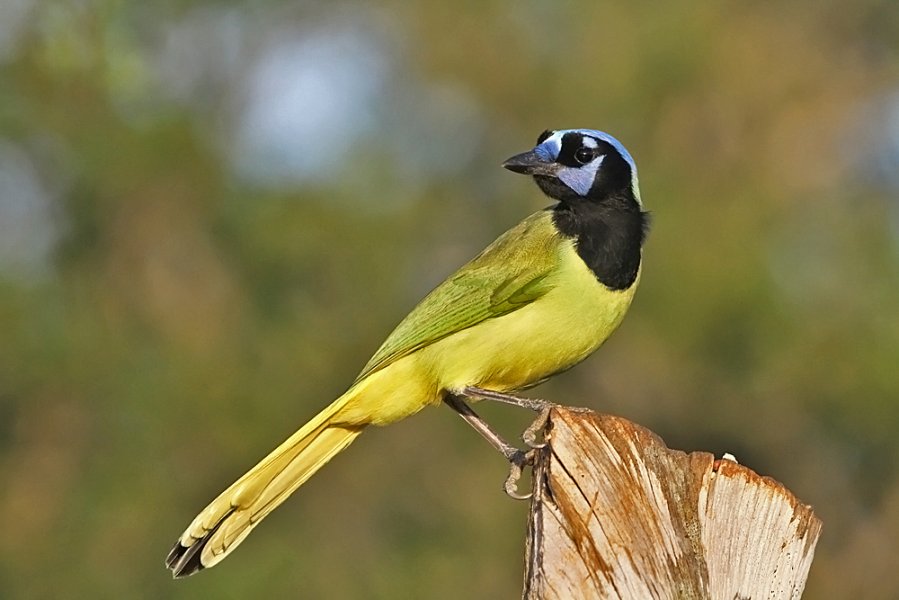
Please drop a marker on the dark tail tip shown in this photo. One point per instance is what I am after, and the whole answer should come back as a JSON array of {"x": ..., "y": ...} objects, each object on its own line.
[{"x": 184, "y": 561}]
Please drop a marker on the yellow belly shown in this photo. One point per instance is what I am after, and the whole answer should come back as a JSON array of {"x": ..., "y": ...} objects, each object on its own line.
[{"x": 506, "y": 353}]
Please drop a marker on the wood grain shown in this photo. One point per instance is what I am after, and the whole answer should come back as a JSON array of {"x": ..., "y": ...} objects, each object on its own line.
[{"x": 617, "y": 514}]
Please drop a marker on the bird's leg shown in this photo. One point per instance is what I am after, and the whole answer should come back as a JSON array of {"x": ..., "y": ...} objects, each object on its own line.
[
  {"x": 517, "y": 459},
  {"x": 480, "y": 425},
  {"x": 530, "y": 434},
  {"x": 529, "y": 403}
]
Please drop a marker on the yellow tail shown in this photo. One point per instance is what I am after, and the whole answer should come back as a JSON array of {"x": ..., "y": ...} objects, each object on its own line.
[{"x": 228, "y": 519}]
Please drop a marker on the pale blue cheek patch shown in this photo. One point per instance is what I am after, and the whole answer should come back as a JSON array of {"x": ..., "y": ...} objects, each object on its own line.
[{"x": 580, "y": 180}]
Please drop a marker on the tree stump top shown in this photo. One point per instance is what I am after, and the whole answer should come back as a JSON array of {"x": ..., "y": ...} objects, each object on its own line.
[{"x": 617, "y": 514}]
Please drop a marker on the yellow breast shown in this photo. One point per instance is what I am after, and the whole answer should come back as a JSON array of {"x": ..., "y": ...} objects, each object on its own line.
[{"x": 550, "y": 335}]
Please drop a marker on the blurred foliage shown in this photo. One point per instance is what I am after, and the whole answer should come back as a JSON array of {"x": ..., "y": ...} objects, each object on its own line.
[{"x": 212, "y": 213}]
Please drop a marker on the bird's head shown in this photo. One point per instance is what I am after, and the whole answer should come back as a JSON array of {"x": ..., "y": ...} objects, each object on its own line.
[{"x": 580, "y": 164}]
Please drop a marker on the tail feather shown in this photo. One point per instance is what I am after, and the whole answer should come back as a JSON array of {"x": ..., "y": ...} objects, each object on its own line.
[{"x": 228, "y": 519}]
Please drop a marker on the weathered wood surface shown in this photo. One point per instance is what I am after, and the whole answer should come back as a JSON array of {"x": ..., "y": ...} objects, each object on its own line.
[{"x": 616, "y": 514}]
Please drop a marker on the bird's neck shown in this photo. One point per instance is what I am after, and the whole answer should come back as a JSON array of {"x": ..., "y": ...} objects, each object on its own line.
[{"x": 608, "y": 237}]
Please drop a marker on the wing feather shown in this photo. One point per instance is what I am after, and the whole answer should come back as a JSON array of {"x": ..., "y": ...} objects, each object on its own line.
[{"x": 511, "y": 273}]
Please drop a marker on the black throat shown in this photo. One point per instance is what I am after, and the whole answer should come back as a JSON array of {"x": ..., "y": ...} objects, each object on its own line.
[{"x": 608, "y": 236}]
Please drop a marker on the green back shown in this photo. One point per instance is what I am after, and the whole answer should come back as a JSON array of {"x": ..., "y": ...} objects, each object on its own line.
[{"x": 510, "y": 273}]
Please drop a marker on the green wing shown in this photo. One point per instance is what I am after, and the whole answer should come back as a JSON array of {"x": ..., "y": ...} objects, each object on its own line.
[{"x": 510, "y": 273}]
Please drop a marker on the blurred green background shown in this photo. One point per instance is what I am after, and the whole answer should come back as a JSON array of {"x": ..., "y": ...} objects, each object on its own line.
[{"x": 211, "y": 213}]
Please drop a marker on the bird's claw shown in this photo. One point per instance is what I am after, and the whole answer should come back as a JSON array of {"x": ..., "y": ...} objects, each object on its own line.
[
  {"x": 535, "y": 429},
  {"x": 518, "y": 462}
]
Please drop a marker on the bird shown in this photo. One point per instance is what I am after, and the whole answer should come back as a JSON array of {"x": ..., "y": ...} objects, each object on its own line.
[{"x": 537, "y": 301}]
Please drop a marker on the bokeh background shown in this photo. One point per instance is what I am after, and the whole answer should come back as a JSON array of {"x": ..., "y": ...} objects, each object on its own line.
[{"x": 211, "y": 213}]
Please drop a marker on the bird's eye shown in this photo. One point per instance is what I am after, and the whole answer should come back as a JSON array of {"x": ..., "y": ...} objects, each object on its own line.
[{"x": 584, "y": 155}]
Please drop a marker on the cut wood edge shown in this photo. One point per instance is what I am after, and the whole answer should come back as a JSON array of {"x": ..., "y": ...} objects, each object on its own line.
[{"x": 617, "y": 514}]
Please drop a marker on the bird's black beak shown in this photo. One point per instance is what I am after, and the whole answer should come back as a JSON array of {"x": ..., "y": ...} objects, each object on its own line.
[{"x": 529, "y": 163}]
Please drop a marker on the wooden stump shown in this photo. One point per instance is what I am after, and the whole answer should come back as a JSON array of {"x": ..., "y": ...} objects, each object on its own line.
[{"x": 616, "y": 514}]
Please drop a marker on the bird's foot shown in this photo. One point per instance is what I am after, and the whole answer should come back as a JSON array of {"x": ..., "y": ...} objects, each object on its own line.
[
  {"x": 518, "y": 459},
  {"x": 517, "y": 463},
  {"x": 534, "y": 431}
]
